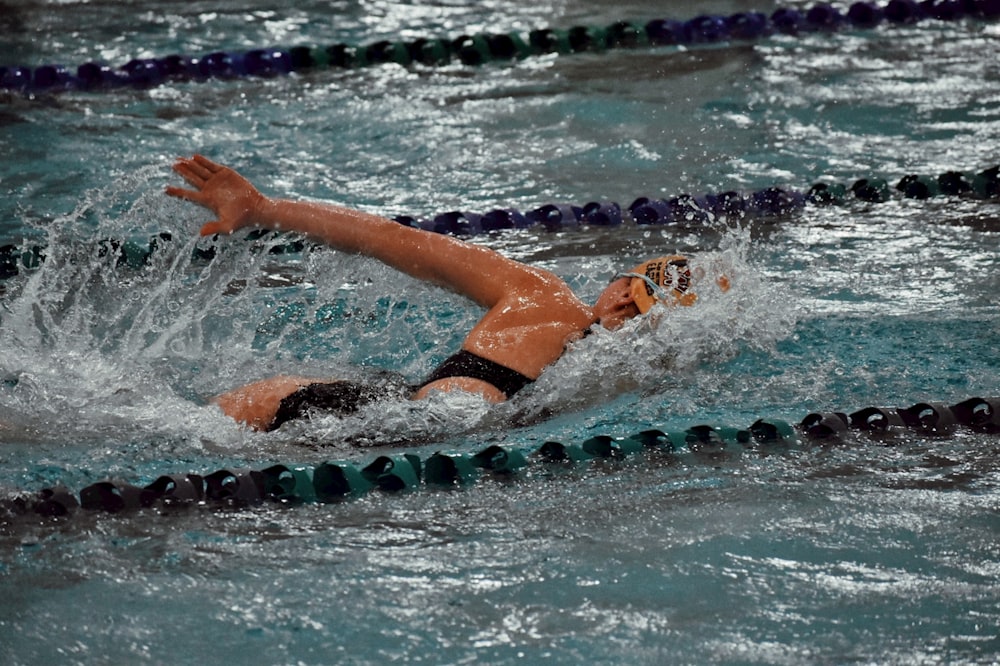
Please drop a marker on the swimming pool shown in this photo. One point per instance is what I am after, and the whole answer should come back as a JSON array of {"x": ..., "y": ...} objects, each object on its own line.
[{"x": 879, "y": 549}]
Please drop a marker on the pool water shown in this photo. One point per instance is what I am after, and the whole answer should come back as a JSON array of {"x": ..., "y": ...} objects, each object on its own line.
[{"x": 873, "y": 549}]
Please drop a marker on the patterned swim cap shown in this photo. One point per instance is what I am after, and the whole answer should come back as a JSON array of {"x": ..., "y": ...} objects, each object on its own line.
[{"x": 664, "y": 279}]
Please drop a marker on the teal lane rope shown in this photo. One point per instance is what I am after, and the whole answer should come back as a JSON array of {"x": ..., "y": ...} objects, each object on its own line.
[
  {"x": 478, "y": 49},
  {"x": 394, "y": 472},
  {"x": 683, "y": 211}
]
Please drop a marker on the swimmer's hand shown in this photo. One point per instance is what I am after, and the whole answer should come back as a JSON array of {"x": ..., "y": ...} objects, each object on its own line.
[{"x": 235, "y": 202}]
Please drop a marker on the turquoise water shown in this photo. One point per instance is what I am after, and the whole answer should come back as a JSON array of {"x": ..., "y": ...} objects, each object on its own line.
[{"x": 873, "y": 551}]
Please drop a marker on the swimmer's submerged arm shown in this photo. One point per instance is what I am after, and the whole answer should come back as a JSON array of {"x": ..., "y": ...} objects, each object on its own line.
[{"x": 477, "y": 272}]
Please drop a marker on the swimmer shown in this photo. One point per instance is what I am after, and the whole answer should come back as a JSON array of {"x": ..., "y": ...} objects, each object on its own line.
[{"x": 531, "y": 314}]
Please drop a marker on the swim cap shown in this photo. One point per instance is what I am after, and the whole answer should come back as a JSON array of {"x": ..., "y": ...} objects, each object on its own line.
[{"x": 665, "y": 279}]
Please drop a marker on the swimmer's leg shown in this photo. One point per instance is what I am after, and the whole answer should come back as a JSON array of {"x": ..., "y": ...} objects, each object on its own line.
[{"x": 256, "y": 404}]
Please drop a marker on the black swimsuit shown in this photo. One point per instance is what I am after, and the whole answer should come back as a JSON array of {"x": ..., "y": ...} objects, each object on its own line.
[
  {"x": 467, "y": 364},
  {"x": 345, "y": 397}
]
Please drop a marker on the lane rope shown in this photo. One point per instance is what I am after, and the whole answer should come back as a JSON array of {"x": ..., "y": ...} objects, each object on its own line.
[
  {"x": 479, "y": 49},
  {"x": 683, "y": 211},
  {"x": 394, "y": 472}
]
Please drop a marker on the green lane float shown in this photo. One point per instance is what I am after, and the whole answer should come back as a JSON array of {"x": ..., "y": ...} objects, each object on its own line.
[
  {"x": 394, "y": 473},
  {"x": 559, "y": 452},
  {"x": 450, "y": 469},
  {"x": 289, "y": 484},
  {"x": 339, "y": 480},
  {"x": 499, "y": 459},
  {"x": 603, "y": 446}
]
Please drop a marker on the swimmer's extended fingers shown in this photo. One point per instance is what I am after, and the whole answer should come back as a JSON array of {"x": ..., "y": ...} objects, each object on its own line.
[
  {"x": 207, "y": 164},
  {"x": 194, "y": 176},
  {"x": 181, "y": 193},
  {"x": 200, "y": 167},
  {"x": 233, "y": 199},
  {"x": 196, "y": 171},
  {"x": 192, "y": 171}
]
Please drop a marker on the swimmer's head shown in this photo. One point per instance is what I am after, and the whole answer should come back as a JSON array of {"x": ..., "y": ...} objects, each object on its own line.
[{"x": 665, "y": 280}]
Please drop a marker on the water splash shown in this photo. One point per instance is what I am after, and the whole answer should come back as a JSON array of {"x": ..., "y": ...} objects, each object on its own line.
[
  {"x": 89, "y": 335},
  {"x": 98, "y": 345},
  {"x": 665, "y": 352}
]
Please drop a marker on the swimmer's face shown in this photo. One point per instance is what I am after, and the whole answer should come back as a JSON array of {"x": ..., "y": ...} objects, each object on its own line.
[{"x": 615, "y": 305}]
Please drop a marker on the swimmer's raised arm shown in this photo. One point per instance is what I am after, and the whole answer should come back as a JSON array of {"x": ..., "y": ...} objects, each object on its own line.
[{"x": 477, "y": 272}]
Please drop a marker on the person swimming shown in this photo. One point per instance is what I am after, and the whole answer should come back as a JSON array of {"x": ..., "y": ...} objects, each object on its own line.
[{"x": 531, "y": 314}]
